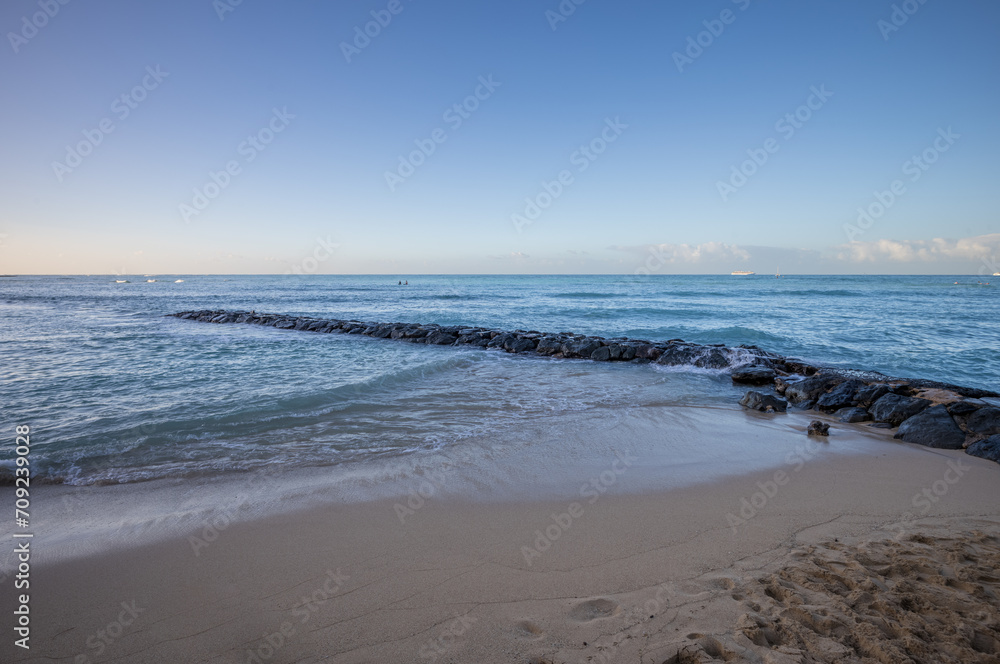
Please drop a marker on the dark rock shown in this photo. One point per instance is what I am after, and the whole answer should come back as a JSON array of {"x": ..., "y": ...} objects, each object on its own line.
[
  {"x": 880, "y": 425},
  {"x": 581, "y": 348},
  {"x": 648, "y": 352},
  {"x": 628, "y": 353},
  {"x": 810, "y": 388},
  {"x": 988, "y": 448},
  {"x": 853, "y": 415},
  {"x": 894, "y": 408},
  {"x": 520, "y": 345},
  {"x": 284, "y": 324},
  {"x": 817, "y": 428},
  {"x": 763, "y": 402},
  {"x": 549, "y": 346},
  {"x": 985, "y": 421},
  {"x": 602, "y": 354},
  {"x": 841, "y": 396},
  {"x": 753, "y": 375},
  {"x": 958, "y": 408},
  {"x": 932, "y": 427},
  {"x": 869, "y": 394},
  {"x": 440, "y": 338}
]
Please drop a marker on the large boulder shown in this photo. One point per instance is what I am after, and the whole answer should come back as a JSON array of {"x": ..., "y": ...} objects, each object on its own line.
[
  {"x": 580, "y": 348},
  {"x": 988, "y": 448},
  {"x": 894, "y": 409},
  {"x": 810, "y": 388},
  {"x": 932, "y": 427},
  {"x": 440, "y": 338},
  {"x": 869, "y": 394},
  {"x": 519, "y": 345},
  {"x": 763, "y": 402},
  {"x": 853, "y": 415},
  {"x": 602, "y": 354},
  {"x": 549, "y": 346},
  {"x": 841, "y": 396},
  {"x": 753, "y": 375},
  {"x": 648, "y": 352},
  {"x": 985, "y": 421}
]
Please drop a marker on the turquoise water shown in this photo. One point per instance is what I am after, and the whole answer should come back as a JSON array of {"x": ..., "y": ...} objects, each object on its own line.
[{"x": 116, "y": 392}]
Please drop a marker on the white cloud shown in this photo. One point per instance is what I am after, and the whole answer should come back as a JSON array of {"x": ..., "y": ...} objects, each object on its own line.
[
  {"x": 906, "y": 251},
  {"x": 691, "y": 253}
]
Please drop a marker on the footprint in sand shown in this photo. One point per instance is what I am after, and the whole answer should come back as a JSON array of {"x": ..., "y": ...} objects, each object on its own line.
[
  {"x": 526, "y": 629},
  {"x": 593, "y": 609}
]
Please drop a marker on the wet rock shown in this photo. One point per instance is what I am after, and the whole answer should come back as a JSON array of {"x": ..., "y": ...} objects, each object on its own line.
[
  {"x": 582, "y": 348},
  {"x": 841, "y": 396},
  {"x": 853, "y": 415},
  {"x": 549, "y": 346},
  {"x": 932, "y": 427},
  {"x": 965, "y": 407},
  {"x": 648, "y": 352},
  {"x": 440, "y": 338},
  {"x": 753, "y": 375},
  {"x": 869, "y": 394},
  {"x": 763, "y": 402},
  {"x": 985, "y": 421},
  {"x": 894, "y": 408},
  {"x": 988, "y": 448},
  {"x": 284, "y": 324},
  {"x": 602, "y": 354},
  {"x": 817, "y": 428},
  {"x": 809, "y": 389},
  {"x": 628, "y": 353},
  {"x": 520, "y": 345},
  {"x": 880, "y": 425}
]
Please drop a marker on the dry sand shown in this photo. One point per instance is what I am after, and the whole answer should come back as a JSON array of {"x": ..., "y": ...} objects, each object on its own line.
[{"x": 888, "y": 555}]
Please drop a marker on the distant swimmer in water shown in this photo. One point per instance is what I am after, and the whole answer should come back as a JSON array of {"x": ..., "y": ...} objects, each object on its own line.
[
  {"x": 400, "y": 283},
  {"x": 407, "y": 283}
]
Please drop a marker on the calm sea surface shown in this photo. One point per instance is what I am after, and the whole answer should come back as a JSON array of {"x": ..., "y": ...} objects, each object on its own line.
[{"x": 116, "y": 392}]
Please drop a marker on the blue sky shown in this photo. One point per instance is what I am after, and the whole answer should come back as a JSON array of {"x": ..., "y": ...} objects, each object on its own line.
[{"x": 590, "y": 138}]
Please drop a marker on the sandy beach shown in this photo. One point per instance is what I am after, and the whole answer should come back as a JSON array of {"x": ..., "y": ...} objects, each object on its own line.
[{"x": 883, "y": 554}]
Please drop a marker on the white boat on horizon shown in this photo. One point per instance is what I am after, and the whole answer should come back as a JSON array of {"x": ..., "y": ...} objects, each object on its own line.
[
  {"x": 742, "y": 273},
  {"x": 179, "y": 281}
]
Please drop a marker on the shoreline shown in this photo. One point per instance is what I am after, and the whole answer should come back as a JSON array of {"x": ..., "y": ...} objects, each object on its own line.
[
  {"x": 528, "y": 561},
  {"x": 453, "y": 583}
]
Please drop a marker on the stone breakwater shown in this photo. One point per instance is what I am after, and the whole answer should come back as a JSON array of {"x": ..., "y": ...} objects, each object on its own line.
[{"x": 925, "y": 412}]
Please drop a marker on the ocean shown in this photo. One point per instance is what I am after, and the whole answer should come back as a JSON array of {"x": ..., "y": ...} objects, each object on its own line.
[{"x": 116, "y": 392}]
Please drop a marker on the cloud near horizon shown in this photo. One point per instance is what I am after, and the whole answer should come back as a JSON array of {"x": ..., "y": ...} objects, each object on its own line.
[
  {"x": 977, "y": 252},
  {"x": 981, "y": 247}
]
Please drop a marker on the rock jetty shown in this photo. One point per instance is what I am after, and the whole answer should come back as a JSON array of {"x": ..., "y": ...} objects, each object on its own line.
[{"x": 924, "y": 412}]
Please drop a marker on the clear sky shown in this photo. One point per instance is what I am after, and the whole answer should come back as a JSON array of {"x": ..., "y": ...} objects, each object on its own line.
[{"x": 509, "y": 136}]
